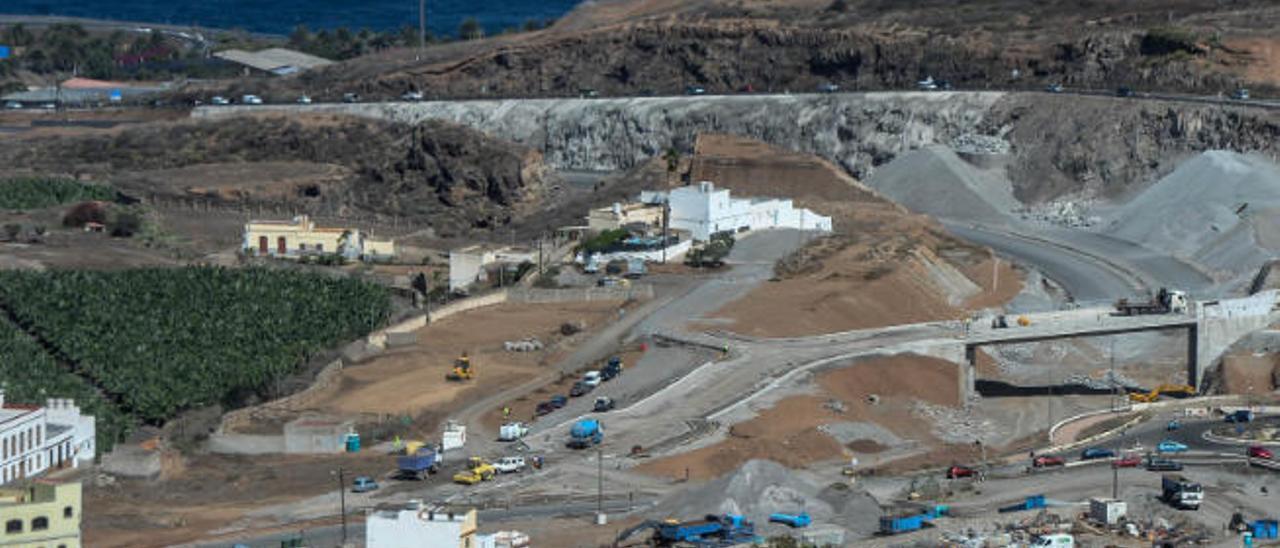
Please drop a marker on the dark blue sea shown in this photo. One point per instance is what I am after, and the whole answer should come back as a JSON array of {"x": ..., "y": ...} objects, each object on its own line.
[{"x": 281, "y": 16}]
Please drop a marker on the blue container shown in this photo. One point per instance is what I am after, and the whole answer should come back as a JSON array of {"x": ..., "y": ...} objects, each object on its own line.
[
  {"x": 1266, "y": 528},
  {"x": 4, "y": 52},
  {"x": 901, "y": 524},
  {"x": 353, "y": 443}
]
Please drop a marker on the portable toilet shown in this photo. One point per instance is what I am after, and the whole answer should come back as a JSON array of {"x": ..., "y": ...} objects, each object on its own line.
[{"x": 353, "y": 442}]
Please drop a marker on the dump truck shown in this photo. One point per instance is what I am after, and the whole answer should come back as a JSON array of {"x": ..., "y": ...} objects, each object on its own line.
[
  {"x": 462, "y": 370},
  {"x": 419, "y": 464},
  {"x": 713, "y": 530},
  {"x": 585, "y": 433},
  {"x": 1165, "y": 302},
  {"x": 1180, "y": 492}
]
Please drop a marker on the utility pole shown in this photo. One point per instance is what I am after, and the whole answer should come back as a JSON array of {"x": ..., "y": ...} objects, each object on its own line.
[
  {"x": 342, "y": 498},
  {"x": 422, "y": 27}
]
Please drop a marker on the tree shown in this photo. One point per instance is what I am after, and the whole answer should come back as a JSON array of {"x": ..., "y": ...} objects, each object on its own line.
[
  {"x": 19, "y": 36},
  {"x": 470, "y": 29},
  {"x": 531, "y": 25},
  {"x": 125, "y": 224},
  {"x": 840, "y": 6},
  {"x": 301, "y": 37}
]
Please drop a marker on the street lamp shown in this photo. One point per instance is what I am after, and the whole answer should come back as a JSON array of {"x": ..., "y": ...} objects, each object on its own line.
[{"x": 340, "y": 473}]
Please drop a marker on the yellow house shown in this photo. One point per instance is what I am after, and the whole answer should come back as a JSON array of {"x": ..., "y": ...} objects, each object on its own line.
[
  {"x": 620, "y": 215},
  {"x": 41, "y": 515},
  {"x": 301, "y": 236}
]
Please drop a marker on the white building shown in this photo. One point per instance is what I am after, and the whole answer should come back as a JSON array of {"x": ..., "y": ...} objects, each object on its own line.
[
  {"x": 467, "y": 265},
  {"x": 703, "y": 210},
  {"x": 35, "y": 439},
  {"x": 414, "y": 525}
]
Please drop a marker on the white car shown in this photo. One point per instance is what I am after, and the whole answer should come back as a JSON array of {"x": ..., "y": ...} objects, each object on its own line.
[
  {"x": 219, "y": 100},
  {"x": 592, "y": 379},
  {"x": 13, "y": 105},
  {"x": 412, "y": 96},
  {"x": 512, "y": 431},
  {"x": 304, "y": 100},
  {"x": 251, "y": 100},
  {"x": 509, "y": 465}
]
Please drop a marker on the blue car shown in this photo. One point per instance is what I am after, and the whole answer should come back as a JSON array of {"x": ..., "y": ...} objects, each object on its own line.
[
  {"x": 1170, "y": 446},
  {"x": 1096, "y": 453},
  {"x": 364, "y": 484}
]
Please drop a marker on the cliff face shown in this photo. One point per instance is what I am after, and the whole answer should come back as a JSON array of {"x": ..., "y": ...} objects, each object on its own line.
[{"x": 1058, "y": 145}]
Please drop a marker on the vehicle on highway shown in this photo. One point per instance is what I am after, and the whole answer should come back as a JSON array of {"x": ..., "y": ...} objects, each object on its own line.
[
  {"x": 412, "y": 96},
  {"x": 219, "y": 100},
  {"x": 1170, "y": 446},
  {"x": 944, "y": 85},
  {"x": 1260, "y": 452},
  {"x": 1130, "y": 461},
  {"x": 1053, "y": 88},
  {"x": 1044, "y": 461},
  {"x": 1124, "y": 92},
  {"x": 603, "y": 403},
  {"x": 52, "y": 106},
  {"x": 12, "y": 105},
  {"x": 304, "y": 100},
  {"x": 250, "y": 99},
  {"x": 1240, "y": 94},
  {"x": 611, "y": 369},
  {"x": 580, "y": 389},
  {"x": 558, "y": 401},
  {"x": 593, "y": 378},
  {"x": 351, "y": 97},
  {"x": 927, "y": 84},
  {"x": 695, "y": 90},
  {"x": 1241, "y": 416},
  {"x": 544, "y": 408},
  {"x": 957, "y": 471},
  {"x": 363, "y": 484},
  {"x": 509, "y": 465},
  {"x": 1156, "y": 464},
  {"x": 588, "y": 93},
  {"x": 1096, "y": 453},
  {"x": 828, "y": 88}
]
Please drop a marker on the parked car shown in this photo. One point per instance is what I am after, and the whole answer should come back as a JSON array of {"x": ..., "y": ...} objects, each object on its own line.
[
  {"x": 12, "y": 105},
  {"x": 250, "y": 99},
  {"x": 603, "y": 403},
  {"x": 1173, "y": 426},
  {"x": 1096, "y": 453},
  {"x": 363, "y": 484},
  {"x": 957, "y": 471},
  {"x": 927, "y": 84},
  {"x": 593, "y": 378},
  {"x": 1260, "y": 452},
  {"x": 1053, "y": 88},
  {"x": 351, "y": 97},
  {"x": 558, "y": 401},
  {"x": 588, "y": 93},
  {"x": 1124, "y": 92},
  {"x": 1241, "y": 94},
  {"x": 695, "y": 90},
  {"x": 304, "y": 100},
  {"x": 611, "y": 369},
  {"x": 412, "y": 96},
  {"x": 828, "y": 88},
  {"x": 1130, "y": 461},
  {"x": 1170, "y": 446},
  {"x": 219, "y": 100},
  {"x": 1044, "y": 461},
  {"x": 1163, "y": 465},
  {"x": 544, "y": 408},
  {"x": 509, "y": 465},
  {"x": 580, "y": 389}
]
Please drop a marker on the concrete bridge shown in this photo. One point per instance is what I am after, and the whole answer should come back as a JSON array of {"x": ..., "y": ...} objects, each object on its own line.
[{"x": 1211, "y": 326}]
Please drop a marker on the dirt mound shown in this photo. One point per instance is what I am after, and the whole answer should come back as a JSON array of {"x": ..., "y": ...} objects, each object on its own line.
[
  {"x": 935, "y": 181},
  {"x": 437, "y": 173},
  {"x": 1228, "y": 226}
]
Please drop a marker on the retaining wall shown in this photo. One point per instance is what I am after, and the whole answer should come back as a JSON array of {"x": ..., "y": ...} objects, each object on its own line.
[{"x": 288, "y": 404}]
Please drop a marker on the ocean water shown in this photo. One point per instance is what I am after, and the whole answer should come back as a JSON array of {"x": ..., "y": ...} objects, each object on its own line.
[{"x": 281, "y": 16}]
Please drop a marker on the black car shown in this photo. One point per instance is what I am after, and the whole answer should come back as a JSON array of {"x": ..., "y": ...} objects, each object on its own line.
[
  {"x": 1124, "y": 92},
  {"x": 544, "y": 408},
  {"x": 603, "y": 404},
  {"x": 1163, "y": 465},
  {"x": 558, "y": 401},
  {"x": 695, "y": 90},
  {"x": 612, "y": 369},
  {"x": 579, "y": 389},
  {"x": 1096, "y": 453}
]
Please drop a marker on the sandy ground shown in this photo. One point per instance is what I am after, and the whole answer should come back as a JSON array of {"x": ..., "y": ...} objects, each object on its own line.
[
  {"x": 1249, "y": 373},
  {"x": 788, "y": 431}
]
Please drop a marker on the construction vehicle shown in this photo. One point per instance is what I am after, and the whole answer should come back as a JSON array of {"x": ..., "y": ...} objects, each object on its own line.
[
  {"x": 714, "y": 530},
  {"x": 1165, "y": 302},
  {"x": 462, "y": 370},
  {"x": 418, "y": 465},
  {"x": 794, "y": 521},
  {"x": 477, "y": 471},
  {"x": 585, "y": 433},
  {"x": 1178, "y": 390},
  {"x": 1181, "y": 492}
]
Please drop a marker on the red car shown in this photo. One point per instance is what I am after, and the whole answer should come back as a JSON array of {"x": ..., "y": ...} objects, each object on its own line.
[
  {"x": 1130, "y": 461},
  {"x": 1045, "y": 460},
  {"x": 1260, "y": 452},
  {"x": 960, "y": 472}
]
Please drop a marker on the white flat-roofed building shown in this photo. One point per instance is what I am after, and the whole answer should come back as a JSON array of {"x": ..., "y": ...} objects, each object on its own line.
[
  {"x": 703, "y": 210},
  {"x": 414, "y": 525},
  {"x": 35, "y": 439}
]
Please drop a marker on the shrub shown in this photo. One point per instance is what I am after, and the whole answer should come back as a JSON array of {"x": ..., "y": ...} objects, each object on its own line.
[
  {"x": 1168, "y": 40},
  {"x": 38, "y": 193}
]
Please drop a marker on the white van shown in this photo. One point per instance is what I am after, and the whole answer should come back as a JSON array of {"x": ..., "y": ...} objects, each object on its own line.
[{"x": 509, "y": 465}]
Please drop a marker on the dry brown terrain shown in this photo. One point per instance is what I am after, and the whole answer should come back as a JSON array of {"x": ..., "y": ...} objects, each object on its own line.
[
  {"x": 788, "y": 431},
  {"x": 1250, "y": 373},
  {"x": 880, "y": 268}
]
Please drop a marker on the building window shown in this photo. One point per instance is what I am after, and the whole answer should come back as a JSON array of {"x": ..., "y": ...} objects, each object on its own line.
[
  {"x": 281, "y": 248},
  {"x": 13, "y": 527},
  {"x": 67, "y": 512},
  {"x": 40, "y": 524},
  {"x": 320, "y": 248},
  {"x": 302, "y": 247}
]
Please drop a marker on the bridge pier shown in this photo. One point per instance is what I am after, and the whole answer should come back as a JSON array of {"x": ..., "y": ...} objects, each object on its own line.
[{"x": 1194, "y": 372}]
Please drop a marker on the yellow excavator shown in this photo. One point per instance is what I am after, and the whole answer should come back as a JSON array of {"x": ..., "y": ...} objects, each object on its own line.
[
  {"x": 1180, "y": 390},
  {"x": 462, "y": 370}
]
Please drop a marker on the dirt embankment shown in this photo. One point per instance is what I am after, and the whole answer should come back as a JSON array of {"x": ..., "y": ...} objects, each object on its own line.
[
  {"x": 883, "y": 265},
  {"x": 880, "y": 391},
  {"x": 438, "y": 174}
]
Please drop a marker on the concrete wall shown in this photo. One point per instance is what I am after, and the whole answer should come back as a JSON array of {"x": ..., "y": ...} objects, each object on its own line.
[
  {"x": 636, "y": 291},
  {"x": 674, "y": 253}
]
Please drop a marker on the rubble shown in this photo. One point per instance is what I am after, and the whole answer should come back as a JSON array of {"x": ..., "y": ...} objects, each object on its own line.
[
  {"x": 956, "y": 425},
  {"x": 530, "y": 344}
]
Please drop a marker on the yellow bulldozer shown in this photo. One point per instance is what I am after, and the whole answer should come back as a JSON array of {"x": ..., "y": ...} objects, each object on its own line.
[
  {"x": 462, "y": 370},
  {"x": 1180, "y": 390}
]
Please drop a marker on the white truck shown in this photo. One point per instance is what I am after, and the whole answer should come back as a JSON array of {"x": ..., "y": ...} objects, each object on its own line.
[
  {"x": 1181, "y": 492},
  {"x": 509, "y": 465},
  {"x": 1060, "y": 540},
  {"x": 512, "y": 431}
]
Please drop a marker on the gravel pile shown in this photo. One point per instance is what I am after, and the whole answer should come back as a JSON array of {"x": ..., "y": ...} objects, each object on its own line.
[
  {"x": 957, "y": 424},
  {"x": 935, "y": 181},
  {"x": 1217, "y": 210},
  {"x": 762, "y": 487}
]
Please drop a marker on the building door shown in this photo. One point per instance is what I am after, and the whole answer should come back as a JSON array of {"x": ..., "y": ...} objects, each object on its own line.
[
  {"x": 280, "y": 247},
  {"x": 263, "y": 246}
]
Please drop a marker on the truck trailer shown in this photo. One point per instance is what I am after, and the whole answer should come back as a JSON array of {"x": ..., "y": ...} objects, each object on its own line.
[{"x": 1164, "y": 302}]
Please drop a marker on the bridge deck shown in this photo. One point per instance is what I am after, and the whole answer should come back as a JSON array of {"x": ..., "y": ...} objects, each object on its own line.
[{"x": 1097, "y": 325}]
